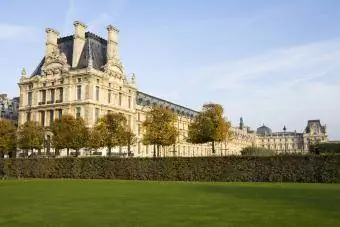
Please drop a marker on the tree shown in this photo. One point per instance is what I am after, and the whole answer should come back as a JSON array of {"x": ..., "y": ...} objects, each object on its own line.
[
  {"x": 110, "y": 128},
  {"x": 69, "y": 133},
  {"x": 31, "y": 136},
  {"x": 209, "y": 126},
  {"x": 128, "y": 138},
  {"x": 95, "y": 139},
  {"x": 7, "y": 137},
  {"x": 160, "y": 129}
]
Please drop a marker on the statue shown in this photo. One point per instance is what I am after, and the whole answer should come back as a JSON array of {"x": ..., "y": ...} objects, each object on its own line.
[
  {"x": 133, "y": 78},
  {"x": 23, "y": 72}
]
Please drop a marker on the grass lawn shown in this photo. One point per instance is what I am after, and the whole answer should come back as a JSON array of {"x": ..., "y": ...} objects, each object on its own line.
[{"x": 138, "y": 203}]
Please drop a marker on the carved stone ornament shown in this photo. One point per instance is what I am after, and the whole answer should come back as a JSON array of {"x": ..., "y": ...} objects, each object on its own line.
[
  {"x": 114, "y": 64},
  {"x": 55, "y": 63}
]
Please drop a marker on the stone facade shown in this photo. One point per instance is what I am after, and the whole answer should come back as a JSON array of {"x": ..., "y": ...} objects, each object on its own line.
[
  {"x": 292, "y": 141},
  {"x": 82, "y": 75},
  {"x": 9, "y": 108}
]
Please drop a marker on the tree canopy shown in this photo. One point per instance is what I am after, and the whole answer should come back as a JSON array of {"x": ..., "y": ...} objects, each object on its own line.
[
  {"x": 111, "y": 127},
  {"x": 159, "y": 127},
  {"x": 69, "y": 133},
  {"x": 7, "y": 137},
  {"x": 31, "y": 136},
  {"x": 209, "y": 126}
]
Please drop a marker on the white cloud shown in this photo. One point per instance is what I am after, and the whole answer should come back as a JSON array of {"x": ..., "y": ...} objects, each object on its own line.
[
  {"x": 283, "y": 86},
  {"x": 16, "y": 32}
]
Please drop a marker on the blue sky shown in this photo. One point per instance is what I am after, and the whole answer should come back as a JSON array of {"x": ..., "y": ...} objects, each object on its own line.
[{"x": 272, "y": 62}]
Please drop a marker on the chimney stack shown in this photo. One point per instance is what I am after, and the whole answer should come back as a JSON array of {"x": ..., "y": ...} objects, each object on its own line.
[
  {"x": 112, "y": 42},
  {"x": 51, "y": 41},
  {"x": 78, "y": 41}
]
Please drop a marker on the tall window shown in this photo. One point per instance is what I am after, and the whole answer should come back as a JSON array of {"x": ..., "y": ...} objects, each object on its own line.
[
  {"x": 42, "y": 118},
  {"x": 43, "y": 96},
  {"x": 52, "y": 95},
  {"x": 120, "y": 99},
  {"x": 29, "y": 98},
  {"x": 96, "y": 114},
  {"x": 78, "y": 92},
  {"x": 61, "y": 94},
  {"x": 129, "y": 100},
  {"x": 51, "y": 116},
  {"x": 78, "y": 112},
  {"x": 97, "y": 93},
  {"x": 60, "y": 113},
  {"x": 138, "y": 129},
  {"x": 109, "y": 96},
  {"x": 28, "y": 116},
  {"x": 138, "y": 116}
]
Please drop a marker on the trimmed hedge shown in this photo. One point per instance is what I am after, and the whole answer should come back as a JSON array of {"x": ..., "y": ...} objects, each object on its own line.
[{"x": 322, "y": 169}]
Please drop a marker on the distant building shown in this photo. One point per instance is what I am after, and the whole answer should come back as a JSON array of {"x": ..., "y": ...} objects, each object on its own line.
[
  {"x": 82, "y": 75},
  {"x": 292, "y": 141},
  {"x": 9, "y": 108}
]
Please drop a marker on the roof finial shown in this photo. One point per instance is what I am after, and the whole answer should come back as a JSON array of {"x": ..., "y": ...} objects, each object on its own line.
[{"x": 90, "y": 64}]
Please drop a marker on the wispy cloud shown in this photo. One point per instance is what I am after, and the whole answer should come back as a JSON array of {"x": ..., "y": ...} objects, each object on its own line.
[
  {"x": 281, "y": 86},
  {"x": 277, "y": 68},
  {"x": 17, "y": 32}
]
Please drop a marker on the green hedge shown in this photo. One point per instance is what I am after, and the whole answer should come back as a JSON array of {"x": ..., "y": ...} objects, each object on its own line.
[{"x": 325, "y": 169}]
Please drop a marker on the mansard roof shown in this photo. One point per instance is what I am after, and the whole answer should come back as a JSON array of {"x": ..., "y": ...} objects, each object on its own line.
[
  {"x": 144, "y": 99},
  {"x": 94, "y": 48}
]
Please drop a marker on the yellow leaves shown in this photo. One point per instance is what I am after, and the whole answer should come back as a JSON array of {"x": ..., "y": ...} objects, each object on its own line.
[
  {"x": 209, "y": 125},
  {"x": 7, "y": 136},
  {"x": 159, "y": 127},
  {"x": 31, "y": 136}
]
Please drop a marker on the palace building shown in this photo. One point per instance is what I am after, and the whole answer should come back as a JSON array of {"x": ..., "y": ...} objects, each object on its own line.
[{"x": 82, "y": 75}]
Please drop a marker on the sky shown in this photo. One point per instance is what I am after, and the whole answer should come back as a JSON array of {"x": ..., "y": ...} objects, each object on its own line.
[{"x": 272, "y": 62}]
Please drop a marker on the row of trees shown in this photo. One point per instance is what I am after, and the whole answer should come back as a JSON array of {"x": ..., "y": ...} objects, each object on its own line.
[
  {"x": 159, "y": 130},
  {"x": 68, "y": 133}
]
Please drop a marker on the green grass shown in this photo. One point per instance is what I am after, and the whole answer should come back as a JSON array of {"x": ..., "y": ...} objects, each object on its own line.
[{"x": 138, "y": 203}]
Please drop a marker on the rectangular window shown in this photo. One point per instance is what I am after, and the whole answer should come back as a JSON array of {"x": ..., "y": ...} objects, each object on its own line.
[
  {"x": 129, "y": 101},
  {"x": 42, "y": 118},
  {"x": 78, "y": 112},
  {"x": 52, "y": 95},
  {"x": 129, "y": 121},
  {"x": 28, "y": 116},
  {"x": 109, "y": 96},
  {"x": 43, "y": 96},
  {"x": 60, "y": 113},
  {"x": 120, "y": 99},
  {"x": 96, "y": 114},
  {"x": 138, "y": 129},
  {"x": 51, "y": 116},
  {"x": 97, "y": 93},
  {"x": 138, "y": 116},
  {"x": 29, "y": 98},
  {"x": 78, "y": 92},
  {"x": 61, "y": 94}
]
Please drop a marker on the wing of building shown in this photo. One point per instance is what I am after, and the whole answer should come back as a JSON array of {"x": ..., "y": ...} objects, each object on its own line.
[{"x": 82, "y": 75}]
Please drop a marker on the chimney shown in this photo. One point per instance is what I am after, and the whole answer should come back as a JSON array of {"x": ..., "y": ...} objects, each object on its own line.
[
  {"x": 78, "y": 41},
  {"x": 51, "y": 41},
  {"x": 112, "y": 42}
]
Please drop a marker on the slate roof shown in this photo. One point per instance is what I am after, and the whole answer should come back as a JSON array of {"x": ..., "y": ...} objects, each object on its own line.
[
  {"x": 95, "y": 48},
  {"x": 144, "y": 99}
]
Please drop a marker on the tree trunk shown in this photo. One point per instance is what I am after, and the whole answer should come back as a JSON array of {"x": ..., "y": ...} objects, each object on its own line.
[
  {"x": 158, "y": 150},
  {"x": 2, "y": 154},
  {"x": 77, "y": 151},
  {"x": 154, "y": 150},
  {"x": 213, "y": 147},
  {"x": 68, "y": 152},
  {"x": 129, "y": 152},
  {"x": 32, "y": 151},
  {"x": 39, "y": 152},
  {"x": 109, "y": 151}
]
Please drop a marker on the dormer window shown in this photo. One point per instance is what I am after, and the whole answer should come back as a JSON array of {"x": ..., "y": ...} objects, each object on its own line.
[
  {"x": 79, "y": 80},
  {"x": 44, "y": 84}
]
